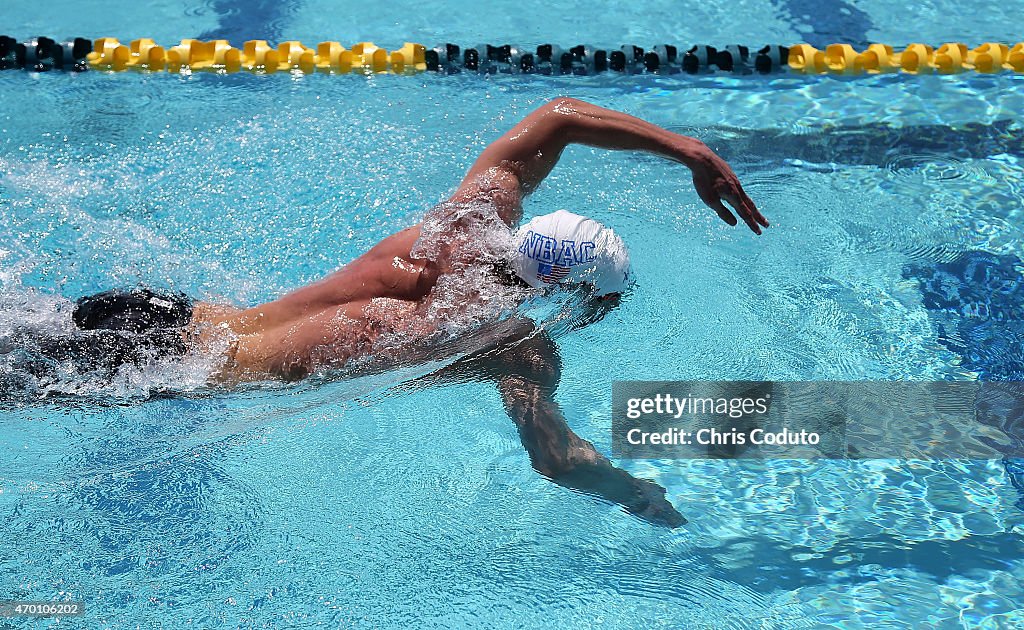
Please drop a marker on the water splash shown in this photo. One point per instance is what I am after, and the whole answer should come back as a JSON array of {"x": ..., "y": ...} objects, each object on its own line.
[{"x": 33, "y": 322}]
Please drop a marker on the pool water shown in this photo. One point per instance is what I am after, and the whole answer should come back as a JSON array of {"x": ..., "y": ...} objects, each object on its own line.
[{"x": 895, "y": 253}]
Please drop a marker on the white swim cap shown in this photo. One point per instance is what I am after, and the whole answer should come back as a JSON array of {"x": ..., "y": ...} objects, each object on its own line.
[{"x": 565, "y": 247}]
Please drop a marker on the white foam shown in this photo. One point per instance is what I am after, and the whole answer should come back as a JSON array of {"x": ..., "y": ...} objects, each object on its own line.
[{"x": 467, "y": 241}]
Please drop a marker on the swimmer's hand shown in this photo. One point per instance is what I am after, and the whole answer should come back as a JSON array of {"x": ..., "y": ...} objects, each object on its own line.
[
  {"x": 591, "y": 472},
  {"x": 715, "y": 182},
  {"x": 651, "y": 505}
]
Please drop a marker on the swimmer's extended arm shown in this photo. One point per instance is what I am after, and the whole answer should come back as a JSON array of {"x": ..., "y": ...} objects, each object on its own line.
[{"x": 516, "y": 163}]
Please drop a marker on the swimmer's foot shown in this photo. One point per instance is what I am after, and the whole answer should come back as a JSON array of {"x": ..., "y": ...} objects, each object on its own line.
[{"x": 650, "y": 504}]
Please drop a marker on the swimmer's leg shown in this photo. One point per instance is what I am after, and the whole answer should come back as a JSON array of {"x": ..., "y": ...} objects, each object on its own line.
[{"x": 527, "y": 375}]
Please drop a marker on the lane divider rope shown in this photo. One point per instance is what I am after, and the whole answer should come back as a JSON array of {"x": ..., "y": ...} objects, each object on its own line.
[
  {"x": 41, "y": 54},
  {"x": 949, "y": 58}
]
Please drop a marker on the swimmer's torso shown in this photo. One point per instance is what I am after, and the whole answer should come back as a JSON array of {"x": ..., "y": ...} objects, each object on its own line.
[{"x": 328, "y": 322}]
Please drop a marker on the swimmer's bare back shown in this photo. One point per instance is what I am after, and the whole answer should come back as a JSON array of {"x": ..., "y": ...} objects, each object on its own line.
[
  {"x": 323, "y": 324},
  {"x": 337, "y": 318}
]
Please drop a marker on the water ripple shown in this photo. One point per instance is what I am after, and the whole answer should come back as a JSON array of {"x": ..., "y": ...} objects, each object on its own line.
[{"x": 934, "y": 167}]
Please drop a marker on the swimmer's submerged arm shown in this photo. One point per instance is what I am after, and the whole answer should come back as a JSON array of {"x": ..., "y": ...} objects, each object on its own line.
[
  {"x": 527, "y": 375},
  {"x": 518, "y": 161}
]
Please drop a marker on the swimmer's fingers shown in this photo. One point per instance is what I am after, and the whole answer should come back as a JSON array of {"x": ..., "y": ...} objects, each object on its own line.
[
  {"x": 754, "y": 212},
  {"x": 746, "y": 209},
  {"x": 708, "y": 195},
  {"x": 763, "y": 220},
  {"x": 716, "y": 182},
  {"x": 723, "y": 212}
]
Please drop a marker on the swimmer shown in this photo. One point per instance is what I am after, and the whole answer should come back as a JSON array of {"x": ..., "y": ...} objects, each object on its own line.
[{"x": 391, "y": 290}]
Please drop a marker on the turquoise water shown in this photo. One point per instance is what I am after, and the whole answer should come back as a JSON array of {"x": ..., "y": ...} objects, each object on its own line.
[{"x": 361, "y": 504}]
